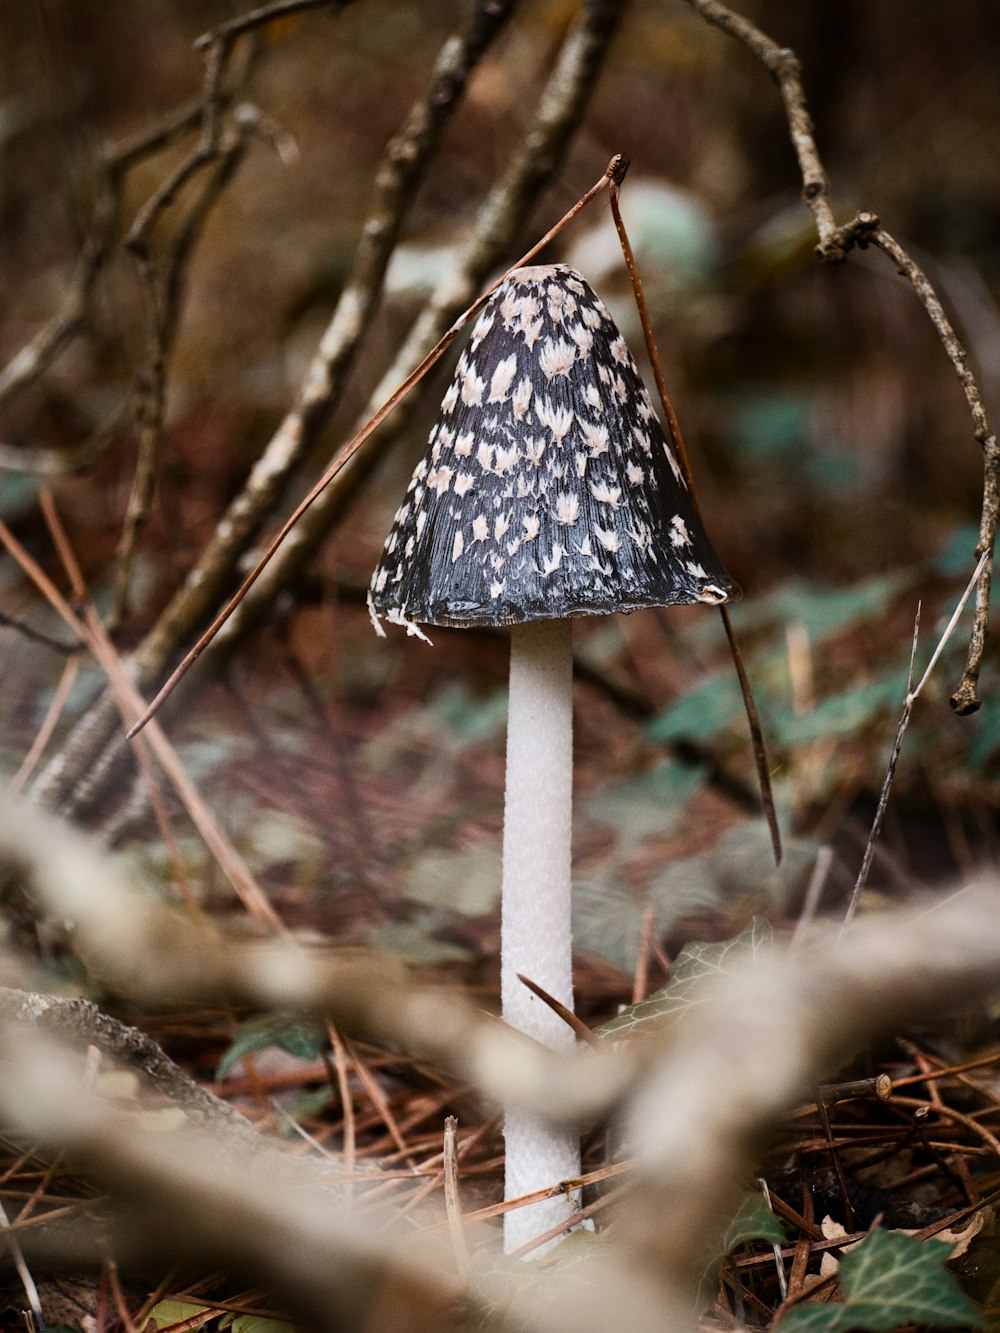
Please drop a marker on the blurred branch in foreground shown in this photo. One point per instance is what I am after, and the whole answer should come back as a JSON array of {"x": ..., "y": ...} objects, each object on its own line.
[{"x": 705, "y": 1091}]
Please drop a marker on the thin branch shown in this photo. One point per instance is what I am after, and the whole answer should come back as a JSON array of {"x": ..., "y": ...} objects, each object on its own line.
[
  {"x": 80, "y": 769},
  {"x": 835, "y": 243},
  {"x": 54, "y": 712},
  {"x": 758, "y": 747},
  {"x": 256, "y": 18},
  {"x": 163, "y": 289},
  {"x": 785, "y": 69},
  {"x": 912, "y": 694},
  {"x": 147, "y": 951}
]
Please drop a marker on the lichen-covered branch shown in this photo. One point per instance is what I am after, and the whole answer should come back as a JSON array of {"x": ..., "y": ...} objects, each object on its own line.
[
  {"x": 835, "y": 243},
  {"x": 80, "y": 1023}
]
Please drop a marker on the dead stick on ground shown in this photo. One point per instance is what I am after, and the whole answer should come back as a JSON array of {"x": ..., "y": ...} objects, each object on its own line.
[{"x": 452, "y": 1201}]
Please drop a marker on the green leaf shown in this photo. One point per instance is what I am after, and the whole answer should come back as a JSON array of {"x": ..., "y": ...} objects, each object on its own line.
[
  {"x": 822, "y": 611},
  {"x": 987, "y": 739},
  {"x": 753, "y": 1221},
  {"x": 957, "y": 558},
  {"x": 892, "y": 1279},
  {"x": 815, "y": 1319},
  {"x": 771, "y": 423},
  {"x": 417, "y": 940},
  {"x": 694, "y": 966},
  {"x": 714, "y": 705},
  {"x": 844, "y": 714},
  {"x": 303, "y": 1037},
  {"x": 467, "y": 716},
  {"x": 165, "y": 1313},
  {"x": 648, "y": 805}
]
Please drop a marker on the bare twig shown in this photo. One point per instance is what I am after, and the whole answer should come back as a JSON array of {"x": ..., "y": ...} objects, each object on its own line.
[
  {"x": 835, "y": 243},
  {"x": 23, "y": 1272},
  {"x": 912, "y": 694},
  {"x": 256, "y": 18},
  {"x": 673, "y": 425},
  {"x": 147, "y": 951},
  {"x": 38, "y": 354},
  {"x": 51, "y": 720},
  {"x": 163, "y": 289},
  {"x": 42, "y": 350},
  {"x": 452, "y": 1199}
]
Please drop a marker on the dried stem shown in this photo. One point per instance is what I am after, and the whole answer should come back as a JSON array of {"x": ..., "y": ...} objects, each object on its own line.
[
  {"x": 912, "y": 694},
  {"x": 452, "y": 1198},
  {"x": 88, "y": 627},
  {"x": 674, "y": 427}
]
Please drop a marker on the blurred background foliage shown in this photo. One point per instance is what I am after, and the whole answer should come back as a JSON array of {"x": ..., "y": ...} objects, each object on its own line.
[{"x": 833, "y": 451}]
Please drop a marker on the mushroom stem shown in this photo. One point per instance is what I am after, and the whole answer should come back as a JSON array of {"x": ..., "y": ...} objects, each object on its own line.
[{"x": 536, "y": 935}]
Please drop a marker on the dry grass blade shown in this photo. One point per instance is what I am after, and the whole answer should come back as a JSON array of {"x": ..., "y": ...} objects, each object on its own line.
[
  {"x": 452, "y": 1199},
  {"x": 912, "y": 694},
  {"x": 51, "y": 720}
]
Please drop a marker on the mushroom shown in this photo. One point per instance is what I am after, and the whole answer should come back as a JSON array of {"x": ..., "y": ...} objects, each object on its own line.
[{"x": 548, "y": 490}]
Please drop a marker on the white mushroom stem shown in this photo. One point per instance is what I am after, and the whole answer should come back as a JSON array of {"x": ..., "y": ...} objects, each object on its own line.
[{"x": 535, "y": 908}]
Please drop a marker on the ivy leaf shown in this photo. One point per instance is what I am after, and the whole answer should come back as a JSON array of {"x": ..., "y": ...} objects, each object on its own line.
[
  {"x": 165, "y": 1313},
  {"x": 303, "y": 1037},
  {"x": 889, "y": 1280},
  {"x": 753, "y": 1221},
  {"x": 824, "y": 611},
  {"x": 844, "y": 714},
  {"x": 702, "y": 713},
  {"x": 694, "y": 966}
]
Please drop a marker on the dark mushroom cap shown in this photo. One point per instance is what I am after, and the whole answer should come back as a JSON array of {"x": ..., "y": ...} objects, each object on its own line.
[{"x": 548, "y": 488}]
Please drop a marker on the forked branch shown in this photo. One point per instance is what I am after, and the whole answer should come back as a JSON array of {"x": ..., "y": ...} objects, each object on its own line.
[{"x": 835, "y": 244}]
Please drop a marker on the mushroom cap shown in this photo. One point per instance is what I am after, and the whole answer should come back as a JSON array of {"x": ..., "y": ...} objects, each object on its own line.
[{"x": 548, "y": 487}]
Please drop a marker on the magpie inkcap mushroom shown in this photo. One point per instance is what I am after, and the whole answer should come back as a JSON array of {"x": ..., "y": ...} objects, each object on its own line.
[
  {"x": 548, "y": 491},
  {"x": 548, "y": 488}
]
